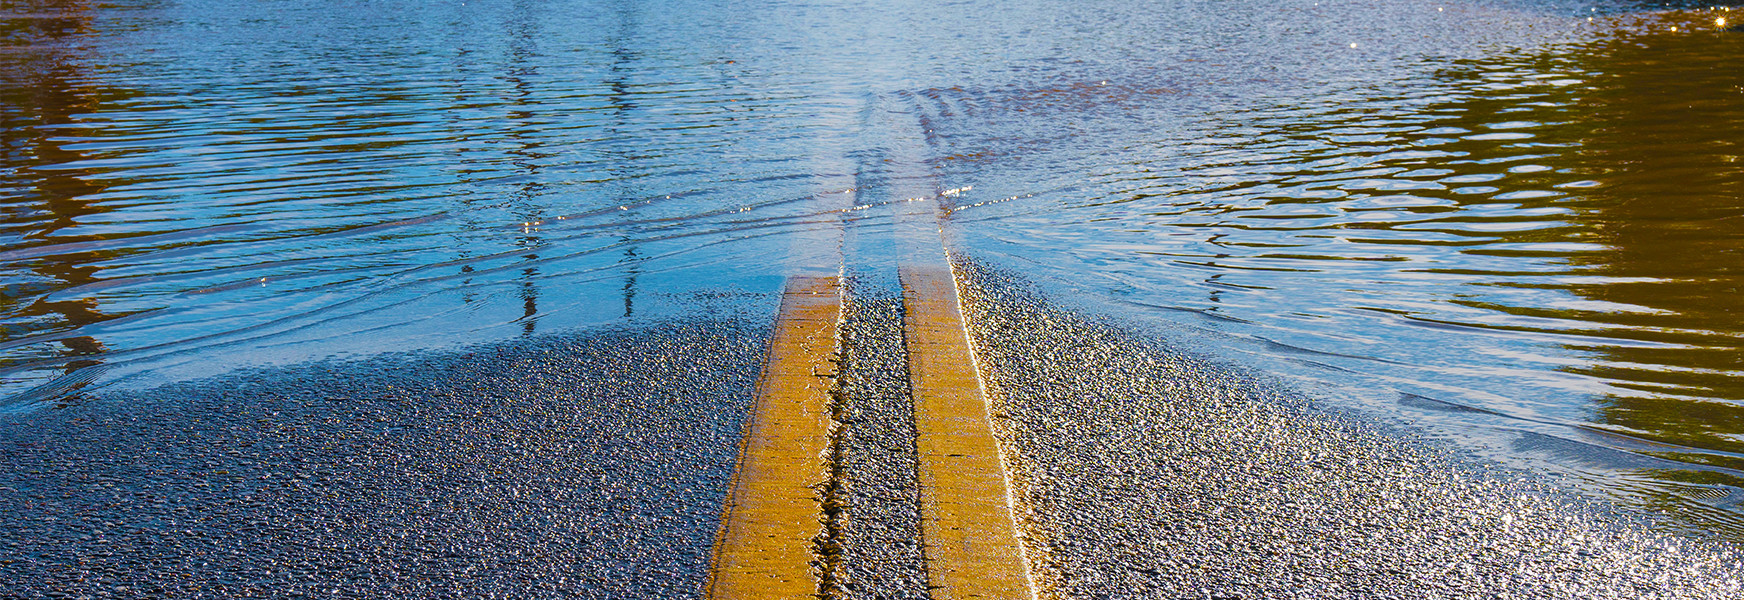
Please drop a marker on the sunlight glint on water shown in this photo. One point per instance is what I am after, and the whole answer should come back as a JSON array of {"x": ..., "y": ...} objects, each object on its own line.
[{"x": 1510, "y": 221}]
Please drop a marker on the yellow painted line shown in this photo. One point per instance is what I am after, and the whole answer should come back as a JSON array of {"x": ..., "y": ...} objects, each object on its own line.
[
  {"x": 967, "y": 533},
  {"x": 764, "y": 547}
]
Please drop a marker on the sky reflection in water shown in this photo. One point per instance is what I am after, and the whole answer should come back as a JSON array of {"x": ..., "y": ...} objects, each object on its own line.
[{"x": 1516, "y": 222}]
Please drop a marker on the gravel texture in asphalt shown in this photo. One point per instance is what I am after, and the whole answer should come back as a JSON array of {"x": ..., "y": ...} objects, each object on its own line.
[
  {"x": 880, "y": 521},
  {"x": 1141, "y": 472},
  {"x": 595, "y": 465},
  {"x": 590, "y": 465}
]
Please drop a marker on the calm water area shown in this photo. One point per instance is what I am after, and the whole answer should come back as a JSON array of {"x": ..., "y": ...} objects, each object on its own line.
[{"x": 1516, "y": 223}]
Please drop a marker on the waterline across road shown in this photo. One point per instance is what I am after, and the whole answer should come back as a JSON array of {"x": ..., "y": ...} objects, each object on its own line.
[
  {"x": 967, "y": 530},
  {"x": 772, "y": 542},
  {"x": 771, "y": 522},
  {"x": 1280, "y": 298}
]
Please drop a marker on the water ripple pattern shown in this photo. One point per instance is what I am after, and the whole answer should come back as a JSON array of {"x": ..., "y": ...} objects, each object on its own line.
[
  {"x": 1517, "y": 221},
  {"x": 217, "y": 179},
  {"x": 1541, "y": 242}
]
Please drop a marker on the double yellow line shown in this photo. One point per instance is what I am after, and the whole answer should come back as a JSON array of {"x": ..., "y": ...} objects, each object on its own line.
[{"x": 765, "y": 548}]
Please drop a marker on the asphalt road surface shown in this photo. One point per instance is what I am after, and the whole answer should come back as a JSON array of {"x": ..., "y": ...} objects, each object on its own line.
[{"x": 595, "y": 465}]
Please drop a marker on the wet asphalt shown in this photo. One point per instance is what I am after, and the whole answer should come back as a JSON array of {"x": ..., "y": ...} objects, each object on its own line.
[
  {"x": 595, "y": 464},
  {"x": 1143, "y": 472},
  {"x": 587, "y": 466},
  {"x": 880, "y": 519}
]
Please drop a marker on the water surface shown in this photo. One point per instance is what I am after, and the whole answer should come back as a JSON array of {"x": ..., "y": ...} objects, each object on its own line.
[{"x": 1517, "y": 223}]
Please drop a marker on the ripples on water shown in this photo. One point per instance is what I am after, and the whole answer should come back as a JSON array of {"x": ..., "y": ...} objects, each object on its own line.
[
  {"x": 1502, "y": 218},
  {"x": 283, "y": 172},
  {"x": 1542, "y": 245}
]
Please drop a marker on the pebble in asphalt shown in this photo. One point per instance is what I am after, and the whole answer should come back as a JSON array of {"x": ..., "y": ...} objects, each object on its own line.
[
  {"x": 880, "y": 522},
  {"x": 594, "y": 465},
  {"x": 1141, "y": 472},
  {"x": 582, "y": 466}
]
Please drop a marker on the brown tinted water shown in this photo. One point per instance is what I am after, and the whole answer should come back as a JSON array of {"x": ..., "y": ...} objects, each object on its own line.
[
  {"x": 1516, "y": 223},
  {"x": 1542, "y": 244}
]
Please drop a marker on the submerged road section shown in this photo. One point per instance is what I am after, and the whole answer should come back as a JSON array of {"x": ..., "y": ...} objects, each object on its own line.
[
  {"x": 776, "y": 539},
  {"x": 1142, "y": 471},
  {"x": 1054, "y": 454},
  {"x": 1096, "y": 299},
  {"x": 597, "y": 465},
  {"x": 1058, "y": 455}
]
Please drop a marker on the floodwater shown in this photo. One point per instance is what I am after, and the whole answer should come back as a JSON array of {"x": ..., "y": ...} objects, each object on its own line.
[{"x": 1518, "y": 223}]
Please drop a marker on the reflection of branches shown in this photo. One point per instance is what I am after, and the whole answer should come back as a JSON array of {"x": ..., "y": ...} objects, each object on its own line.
[
  {"x": 42, "y": 85},
  {"x": 523, "y": 53},
  {"x": 622, "y": 103}
]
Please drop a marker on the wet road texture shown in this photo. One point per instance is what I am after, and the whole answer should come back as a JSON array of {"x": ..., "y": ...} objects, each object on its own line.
[
  {"x": 593, "y": 458},
  {"x": 595, "y": 465}
]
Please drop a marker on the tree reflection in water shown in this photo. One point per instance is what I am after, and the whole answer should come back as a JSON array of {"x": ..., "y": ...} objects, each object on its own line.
[{"x": 43, "y": 87}]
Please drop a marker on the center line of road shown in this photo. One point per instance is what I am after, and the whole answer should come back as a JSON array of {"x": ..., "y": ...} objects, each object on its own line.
[
  {"x": 765, "y": 545},
  {"x": 968, "y": 535}
]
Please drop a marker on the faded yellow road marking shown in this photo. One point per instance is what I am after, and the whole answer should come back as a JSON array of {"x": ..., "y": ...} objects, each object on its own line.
[
  {"x": 764, "y": 548},
  {"x": 967, "y": 532}
]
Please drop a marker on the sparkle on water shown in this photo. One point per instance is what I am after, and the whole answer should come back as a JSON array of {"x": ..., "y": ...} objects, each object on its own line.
[{"x": 1511, "y": 220}]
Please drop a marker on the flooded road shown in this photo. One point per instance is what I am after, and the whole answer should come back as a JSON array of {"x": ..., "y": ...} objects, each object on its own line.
[
  {"x": 1541, "y": 241},
  {"x": 1516, "y": 226}
]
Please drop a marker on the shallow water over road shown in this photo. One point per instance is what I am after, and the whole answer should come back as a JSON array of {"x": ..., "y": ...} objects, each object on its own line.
[
  {"x": 1540, "y": 245},
  {"x": 1516, "y": 222}
]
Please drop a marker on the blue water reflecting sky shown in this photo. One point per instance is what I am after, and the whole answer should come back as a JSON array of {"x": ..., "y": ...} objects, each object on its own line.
[{"x": 1526, "y": 208}]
